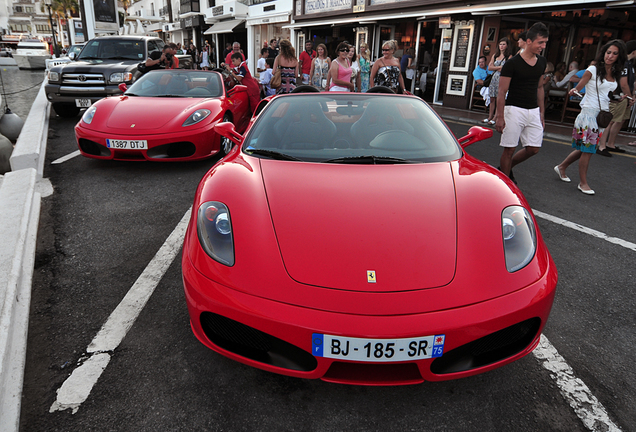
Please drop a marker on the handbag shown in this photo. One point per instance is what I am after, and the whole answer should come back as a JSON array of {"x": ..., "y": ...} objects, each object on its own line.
[
  {"x": 275, "y": 82},
  {"x": 487, "y": 81},
  {"x": 603, "y": 118}
]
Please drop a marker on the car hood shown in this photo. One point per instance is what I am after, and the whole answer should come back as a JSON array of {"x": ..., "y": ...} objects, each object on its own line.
[
  {"x": 147, "y": 114},
  {"x": 88, "y": 66},
  {"x": 337, "y": 223}
]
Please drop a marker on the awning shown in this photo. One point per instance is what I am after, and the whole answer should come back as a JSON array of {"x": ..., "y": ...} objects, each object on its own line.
[
  {"x": 435, "y": 11},
  {"x": 269, "y": 19},
  {"x": 224, "y": 27}
]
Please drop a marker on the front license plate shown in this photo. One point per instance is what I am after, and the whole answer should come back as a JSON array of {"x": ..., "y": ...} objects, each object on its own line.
[
  {"x": 83, "y": 103},
  {"x": 127, "y": 144},
  {"x": 377, "y": 350}
]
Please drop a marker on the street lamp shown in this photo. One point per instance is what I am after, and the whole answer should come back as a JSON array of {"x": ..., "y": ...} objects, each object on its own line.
[{"x": 55, "y": 47}]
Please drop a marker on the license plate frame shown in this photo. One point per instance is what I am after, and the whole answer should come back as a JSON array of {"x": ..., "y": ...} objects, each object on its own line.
[
  {"x": 83, "y": 103},
  {"x": 122, "y": 144},
  {"x": 372, "y": 350}
]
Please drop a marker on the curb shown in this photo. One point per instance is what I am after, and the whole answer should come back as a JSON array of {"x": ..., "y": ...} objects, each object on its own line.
[
  {"x": 19, "y": 217},
  {"x": 20, "y": 214}
]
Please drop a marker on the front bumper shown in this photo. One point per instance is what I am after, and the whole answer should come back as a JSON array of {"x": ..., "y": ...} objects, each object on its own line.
[
  {"x": 479, "y": 337},
  {"x": 189, "y": 144},
  {"x": 57, "y": 93}
]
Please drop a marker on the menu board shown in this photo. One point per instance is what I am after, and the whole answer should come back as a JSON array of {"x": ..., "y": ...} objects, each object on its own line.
[{"x": 462, "y": 46}]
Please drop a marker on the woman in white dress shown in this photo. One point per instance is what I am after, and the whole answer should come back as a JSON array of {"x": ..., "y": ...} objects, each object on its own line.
[
  {"x": 355, "y": 67},
  {"x": 205, "y": 64}
]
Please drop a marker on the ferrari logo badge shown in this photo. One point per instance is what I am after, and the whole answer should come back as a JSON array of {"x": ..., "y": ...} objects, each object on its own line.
[
  {"x": 132, "y": 125},
  {"x": 371, "y": 276}
]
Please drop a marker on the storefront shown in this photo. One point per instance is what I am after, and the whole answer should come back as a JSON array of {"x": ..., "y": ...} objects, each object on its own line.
[
  {"x": 227, "y": 25},
  {"x": 449, "y": 36},
  {"x": 266, "y": 21}
]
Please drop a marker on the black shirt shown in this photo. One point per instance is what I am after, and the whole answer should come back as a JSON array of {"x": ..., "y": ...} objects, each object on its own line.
[
  {"x": 524, "y": 81},
  {"x": 273, "y": 52}
]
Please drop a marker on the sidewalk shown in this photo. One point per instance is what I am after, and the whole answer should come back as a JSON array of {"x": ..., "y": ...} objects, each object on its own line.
[{"x": 553, "y": 130}]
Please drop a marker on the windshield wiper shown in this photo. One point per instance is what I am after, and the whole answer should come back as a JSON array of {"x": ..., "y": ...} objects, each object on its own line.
[
  {"x": 171, "y": 95},
  {"x": 130, "y": 94},
  {"x": 369, "y": 159},
  {"x": 272, "y": 154},
  {"x": 117, "y": 58},
  {"x": 88, "y": 58}
]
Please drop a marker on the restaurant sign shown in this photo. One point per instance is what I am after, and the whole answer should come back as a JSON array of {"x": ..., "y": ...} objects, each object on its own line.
[{"x": 321, "y": 6}]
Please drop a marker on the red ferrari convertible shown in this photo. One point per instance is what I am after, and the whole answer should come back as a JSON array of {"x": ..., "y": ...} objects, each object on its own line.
[
  {"x": 350, "y": 238},
  {"x": 166, "y": 115}
]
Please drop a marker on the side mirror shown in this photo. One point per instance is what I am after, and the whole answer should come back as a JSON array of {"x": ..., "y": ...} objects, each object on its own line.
[
  {"x": 72, "y": 56},
  {"x": 475, "y": 133},
  {"x": 123, "y": 87},
  {"x": 227, "y": 130}
]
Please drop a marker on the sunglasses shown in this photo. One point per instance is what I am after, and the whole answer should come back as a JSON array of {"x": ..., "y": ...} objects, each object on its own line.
[
  {"x": 344, "y": 50},
  {"x": 386, "y": 49}
]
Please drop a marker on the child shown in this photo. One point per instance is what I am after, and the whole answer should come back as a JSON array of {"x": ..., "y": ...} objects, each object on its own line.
[
  {"x": 266, "y": 77},
  {"x": 242, "y": 74}
]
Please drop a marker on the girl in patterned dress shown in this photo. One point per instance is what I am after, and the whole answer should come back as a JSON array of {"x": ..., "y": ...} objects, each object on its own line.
[
  {"x": 288, "y": 64},
  {"x": 504, "y": 52}
]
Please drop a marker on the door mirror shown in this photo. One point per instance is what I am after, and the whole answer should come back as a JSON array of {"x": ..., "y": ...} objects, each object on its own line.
[
  {"x": 475, "y": 133},
  {"x": 227, "y": 130},
  {"x": 123, "y": 87}
]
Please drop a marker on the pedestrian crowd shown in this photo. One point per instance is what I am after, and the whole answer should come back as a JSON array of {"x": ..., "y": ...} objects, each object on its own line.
[{"x": 522, "y": 82}]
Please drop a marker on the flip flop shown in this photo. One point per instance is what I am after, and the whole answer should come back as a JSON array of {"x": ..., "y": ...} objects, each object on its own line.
[{"x": 633, "y": 143}]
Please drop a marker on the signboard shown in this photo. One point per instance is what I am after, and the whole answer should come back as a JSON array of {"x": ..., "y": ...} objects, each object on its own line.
[
  {"x": 456, "y": 85},
  {"x": 322, "y": 6},
  {"x": 462, "y": 44},
  {"x": 444, "y": 22},
  {"x": 101, "y": 17}
]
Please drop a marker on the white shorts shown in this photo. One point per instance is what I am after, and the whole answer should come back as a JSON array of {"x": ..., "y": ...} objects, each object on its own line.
[{"x": 522, "y": 124}]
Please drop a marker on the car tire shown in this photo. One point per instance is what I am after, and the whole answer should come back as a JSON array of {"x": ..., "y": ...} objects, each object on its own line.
[
  {"x": 66, "y": 109},
  {"x": 226, "y": 144}
]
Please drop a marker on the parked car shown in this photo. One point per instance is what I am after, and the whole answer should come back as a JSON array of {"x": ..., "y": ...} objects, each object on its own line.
[
  {"x": 349, "y": 237},
  {"x": 100, "y": 67},
  {"x": 166, "y": 115}
]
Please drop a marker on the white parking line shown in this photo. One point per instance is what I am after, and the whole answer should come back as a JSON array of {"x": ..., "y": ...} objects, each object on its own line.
[
  {"x": 65, "y": 158},
  {"x": 585, "y": 230},
  {"x": 75, "y": 390},
  {"x": 591, "y": 412},
  {"x": 78, "y": 386}
]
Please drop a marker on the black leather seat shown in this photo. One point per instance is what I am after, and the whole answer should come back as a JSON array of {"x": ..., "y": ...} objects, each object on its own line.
[
  {"x": 305, "y": 127},
  {"x": 379, "y": 116}
]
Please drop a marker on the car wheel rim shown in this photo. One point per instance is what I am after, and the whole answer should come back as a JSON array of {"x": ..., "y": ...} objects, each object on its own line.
[{"x": 226, "y": 143}]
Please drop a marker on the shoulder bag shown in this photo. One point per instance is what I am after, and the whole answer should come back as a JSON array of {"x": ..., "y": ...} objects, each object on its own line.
[
  {"x": 603, "y": 118},
  {"x": 276, "y": 79},
  {"x": 487, "y": 81}
]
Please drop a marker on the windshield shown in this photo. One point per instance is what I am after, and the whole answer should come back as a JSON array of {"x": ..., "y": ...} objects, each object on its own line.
[
  {"x": 351, "y": 128},
  {"x": 113, "y": 49},
  {"x": 178, "y": 83}
]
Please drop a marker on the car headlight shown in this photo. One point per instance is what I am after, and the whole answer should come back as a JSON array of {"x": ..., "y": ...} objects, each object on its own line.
[
  {"x": 119, "y": 77},
  {"x": 519, "y": 237},
  {"x": 54, "y": 76},
  {"x": 196, "y": 117},
  {"x": 89, "y": 114},
  {"x": 214, "y": 228}
]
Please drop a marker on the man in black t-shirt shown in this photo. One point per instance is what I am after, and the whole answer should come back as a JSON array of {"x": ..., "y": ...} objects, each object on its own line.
[{"x": 521, "y": 118}]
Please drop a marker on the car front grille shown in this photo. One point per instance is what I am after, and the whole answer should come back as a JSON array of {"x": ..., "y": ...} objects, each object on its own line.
[
  {"x": 489, "y": 349},
  {"x": 83, "y": 79},
  {"x": 254, "y": 344}
]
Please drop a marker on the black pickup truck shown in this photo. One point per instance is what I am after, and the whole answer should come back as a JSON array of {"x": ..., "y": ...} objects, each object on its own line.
[{"x": 103, "y": 64}]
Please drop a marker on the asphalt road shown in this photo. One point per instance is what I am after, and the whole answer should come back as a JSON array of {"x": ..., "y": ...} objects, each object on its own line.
[{"x": 106, "y": 220}]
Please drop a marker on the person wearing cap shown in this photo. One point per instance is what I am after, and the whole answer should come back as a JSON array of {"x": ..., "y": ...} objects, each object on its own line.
[{"x": 620, "y": 106}]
